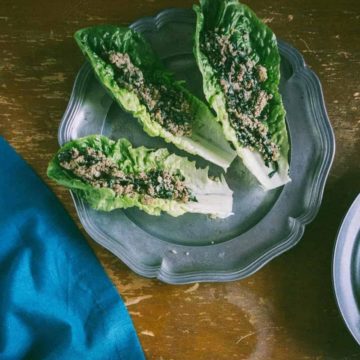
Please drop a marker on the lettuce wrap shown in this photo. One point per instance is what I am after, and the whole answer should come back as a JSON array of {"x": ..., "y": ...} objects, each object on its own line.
[
  {"x": 129, "y": 69},
  {"x": 240, "y": 64},
  {"x": 110, "y": 175}
]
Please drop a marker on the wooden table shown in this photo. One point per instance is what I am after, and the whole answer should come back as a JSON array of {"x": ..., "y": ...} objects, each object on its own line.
[{"x": 286, "y": 310}]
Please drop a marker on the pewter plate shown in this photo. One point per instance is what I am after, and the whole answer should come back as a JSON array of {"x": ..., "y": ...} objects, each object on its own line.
[
  {"x": 194, "y": 247},
  {"x": 346, "y": 269}
]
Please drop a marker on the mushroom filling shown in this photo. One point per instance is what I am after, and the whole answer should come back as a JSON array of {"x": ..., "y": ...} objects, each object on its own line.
[
  {"x": 246, "y": 101},
  {"x": 93, "y": 167},
  {"x": 166, "y": 105}
]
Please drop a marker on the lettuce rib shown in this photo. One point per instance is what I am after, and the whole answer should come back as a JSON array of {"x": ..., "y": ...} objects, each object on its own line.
[
  {"x": 206, "y": 138},
  {"x": 209, "y": 196},
  {"x": 255, "y": 42}
]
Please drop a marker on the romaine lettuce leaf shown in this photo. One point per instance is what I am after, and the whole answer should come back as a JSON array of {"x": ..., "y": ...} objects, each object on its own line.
[
  {"x": 206, "y": 139},
  {"x": 208, "y": 196},
  {"x": 252, "y": 48}
]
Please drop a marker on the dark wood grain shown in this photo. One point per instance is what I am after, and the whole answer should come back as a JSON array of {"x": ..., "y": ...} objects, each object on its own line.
[{"x": 286, "y": 310}]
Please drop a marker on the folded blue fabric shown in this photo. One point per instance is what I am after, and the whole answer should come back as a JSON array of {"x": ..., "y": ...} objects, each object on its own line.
[{"x": 56, "y": 301}]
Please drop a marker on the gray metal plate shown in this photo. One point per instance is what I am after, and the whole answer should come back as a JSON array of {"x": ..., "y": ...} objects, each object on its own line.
[
  {"x": 194, "y": 247},
  {"x": 346, "y": 269}
]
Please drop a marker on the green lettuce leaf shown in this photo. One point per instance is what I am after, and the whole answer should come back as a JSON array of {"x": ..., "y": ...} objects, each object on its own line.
[
  {"x": 258, "y": 43},
  {"x": 206, "y": 140},
  {"x": 213, "y": 197}
]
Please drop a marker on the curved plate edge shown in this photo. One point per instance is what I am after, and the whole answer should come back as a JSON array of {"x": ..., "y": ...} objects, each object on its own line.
[{"x": 355, "y": 207}]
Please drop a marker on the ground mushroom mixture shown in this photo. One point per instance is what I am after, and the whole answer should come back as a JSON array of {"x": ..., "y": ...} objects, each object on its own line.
[
  {"x": 93, "y": 167},
  {"x": 166, "y": 105},
  {"x": 246, "y": 101}
]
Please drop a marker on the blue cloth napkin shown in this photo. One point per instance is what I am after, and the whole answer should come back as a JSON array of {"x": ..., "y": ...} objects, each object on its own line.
[{"x": 56, "y": 301}]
